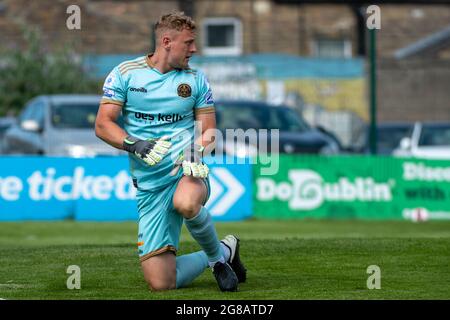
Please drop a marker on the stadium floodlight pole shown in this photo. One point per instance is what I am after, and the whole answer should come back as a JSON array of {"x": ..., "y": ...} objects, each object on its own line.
[{"x": 373, "y": 92}]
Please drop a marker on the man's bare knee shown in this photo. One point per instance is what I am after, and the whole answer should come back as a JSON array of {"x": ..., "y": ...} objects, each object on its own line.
[
  {"x": 160, "y": 271},
  {"x": 161, "y": 285},
  {"x": 187, "y": 208},
  {"x": 189, "y": 197}
]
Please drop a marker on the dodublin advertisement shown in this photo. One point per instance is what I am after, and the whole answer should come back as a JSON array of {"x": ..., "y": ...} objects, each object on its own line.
[
  {"x": 363, "y": 187},
  {"x": 101, "y": 189},
  {"x": 354, "y": 187}
]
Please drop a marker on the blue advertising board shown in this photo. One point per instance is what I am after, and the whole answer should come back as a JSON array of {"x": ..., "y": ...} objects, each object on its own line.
[{"x": 100, "y": 189}]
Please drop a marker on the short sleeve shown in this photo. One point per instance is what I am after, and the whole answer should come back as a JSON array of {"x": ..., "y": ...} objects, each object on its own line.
[
  {"x": 113, "y": 89},
  {"x": 204, "y": 101}
]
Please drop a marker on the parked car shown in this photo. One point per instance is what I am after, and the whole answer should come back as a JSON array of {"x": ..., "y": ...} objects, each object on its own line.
[
  {"x": 58, "y": 125},
  {"x": 63, "y": 125},
  {"x": 389, "y": 135},
  {"x": 427, "y": 140},
  {"x": 5, "y": 123},
  {"x": 295, "y": 135}
]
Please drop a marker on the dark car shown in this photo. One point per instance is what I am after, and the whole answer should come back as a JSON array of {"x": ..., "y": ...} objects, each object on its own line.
[
  {"x": 389, "y": 135},
  {"x": 295, "y": 135}
]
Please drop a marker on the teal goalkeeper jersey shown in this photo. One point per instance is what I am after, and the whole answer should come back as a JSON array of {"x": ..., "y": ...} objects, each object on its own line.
[{"x": 156, "y": 105}]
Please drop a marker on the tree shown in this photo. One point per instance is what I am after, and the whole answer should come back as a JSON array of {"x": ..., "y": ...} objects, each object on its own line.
[{"x": 33, "y": 71}]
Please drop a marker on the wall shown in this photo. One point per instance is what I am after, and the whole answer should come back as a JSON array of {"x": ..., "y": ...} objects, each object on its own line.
[{"x": 413, "y": 90}]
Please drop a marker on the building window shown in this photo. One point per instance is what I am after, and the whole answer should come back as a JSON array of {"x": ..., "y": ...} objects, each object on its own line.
[
  {"x": 328, "y": 48},
  {"x": 222, "y": 36}
]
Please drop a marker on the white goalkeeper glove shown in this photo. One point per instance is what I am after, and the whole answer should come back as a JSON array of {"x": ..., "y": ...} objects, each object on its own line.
[
  {"x": 151, "y": 151},
  {"x": 191, "y": 160}
]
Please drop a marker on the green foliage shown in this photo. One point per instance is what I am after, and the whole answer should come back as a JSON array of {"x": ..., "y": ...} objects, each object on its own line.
[{"x": 33, "y": 71}]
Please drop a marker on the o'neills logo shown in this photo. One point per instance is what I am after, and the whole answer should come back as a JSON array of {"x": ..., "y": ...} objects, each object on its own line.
[
  {"x": 141, "y": 89},
  {"x": 184, "y": 90},
  {"x": 307, "y": 190}
]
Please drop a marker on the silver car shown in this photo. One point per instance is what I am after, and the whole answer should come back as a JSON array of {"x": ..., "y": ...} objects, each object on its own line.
[{"x": 58, "y": 125}]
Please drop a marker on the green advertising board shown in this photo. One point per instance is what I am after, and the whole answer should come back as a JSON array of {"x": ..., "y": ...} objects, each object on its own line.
[{"x": 365, "y": 187}]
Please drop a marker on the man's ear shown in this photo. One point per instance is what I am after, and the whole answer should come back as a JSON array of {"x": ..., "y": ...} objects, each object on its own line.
[{"x": 166, "y": 42}]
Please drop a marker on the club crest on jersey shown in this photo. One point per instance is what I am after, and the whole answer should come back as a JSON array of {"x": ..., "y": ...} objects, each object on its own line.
[{"x": 184, "y": 90}]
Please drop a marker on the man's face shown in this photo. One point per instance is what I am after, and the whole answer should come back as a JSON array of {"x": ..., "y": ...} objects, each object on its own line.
[{"x": 182, "y": 47}]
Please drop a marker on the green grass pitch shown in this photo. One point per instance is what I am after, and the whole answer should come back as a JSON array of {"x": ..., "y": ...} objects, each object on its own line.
[{"x": 301, "y": 259}]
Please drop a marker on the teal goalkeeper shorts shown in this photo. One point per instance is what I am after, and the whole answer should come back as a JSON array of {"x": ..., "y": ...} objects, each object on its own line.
[{"x": 159, "y": 223}]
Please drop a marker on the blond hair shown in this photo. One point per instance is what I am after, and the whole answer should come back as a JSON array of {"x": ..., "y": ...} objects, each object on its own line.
[{"x": 175, "y": 20}]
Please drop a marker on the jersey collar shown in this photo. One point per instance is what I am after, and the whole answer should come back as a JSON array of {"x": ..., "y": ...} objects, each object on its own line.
[{"x": 152, "y": 65}]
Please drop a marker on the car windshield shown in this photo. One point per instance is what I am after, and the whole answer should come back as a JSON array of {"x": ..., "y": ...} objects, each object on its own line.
[
  {"x": 389, "y": 137},
  {"x": 435, "y": 136},
  {"x": 234, "y": 116},
  {"x": 74, "y": 115}
]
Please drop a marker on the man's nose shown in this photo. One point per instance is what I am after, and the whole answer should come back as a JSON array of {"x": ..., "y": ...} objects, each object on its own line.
[{"x": 193, "y": 48}]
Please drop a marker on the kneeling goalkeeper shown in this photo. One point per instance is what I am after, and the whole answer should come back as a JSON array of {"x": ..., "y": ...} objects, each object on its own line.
[{"x": 160, "y": 98}]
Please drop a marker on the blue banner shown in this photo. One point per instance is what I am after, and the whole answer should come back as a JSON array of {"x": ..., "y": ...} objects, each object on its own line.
[{"x": 100, "y": 189}]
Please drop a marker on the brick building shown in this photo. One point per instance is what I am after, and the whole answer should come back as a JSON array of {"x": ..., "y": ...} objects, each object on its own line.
[
  {"x": 410, "y": 88},
  {"x": 257, "y": 26}
]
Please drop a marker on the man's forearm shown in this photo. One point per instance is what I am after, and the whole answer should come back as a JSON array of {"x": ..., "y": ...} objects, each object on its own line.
[
  {"x": 208, "y": 140},
  {"x": 111, "y": 133}
]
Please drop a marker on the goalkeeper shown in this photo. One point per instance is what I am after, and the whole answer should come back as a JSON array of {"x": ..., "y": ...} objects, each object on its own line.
[{"x": 160, "y": 98}]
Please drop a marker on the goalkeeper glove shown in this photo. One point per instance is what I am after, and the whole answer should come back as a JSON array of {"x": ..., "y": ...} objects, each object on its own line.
[
  {"x": 192, "y": 163},
  {"x": 151, "y": 151}
]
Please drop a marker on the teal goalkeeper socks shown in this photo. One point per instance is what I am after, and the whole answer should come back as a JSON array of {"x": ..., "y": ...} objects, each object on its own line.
[
  {"x": 202, "y": 230},
  {"x": 190, "y": 266}
]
